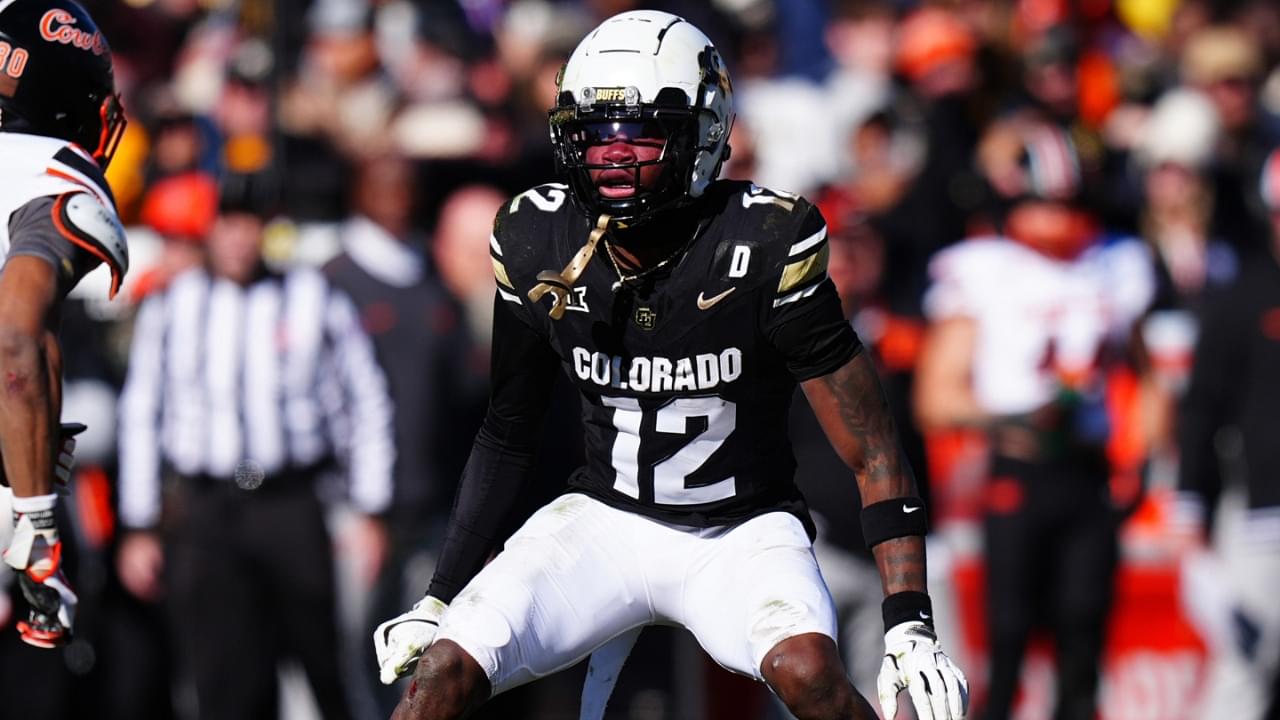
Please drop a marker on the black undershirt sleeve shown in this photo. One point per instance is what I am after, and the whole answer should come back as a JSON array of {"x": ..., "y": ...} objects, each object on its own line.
[{"x": 522, "y": 374}]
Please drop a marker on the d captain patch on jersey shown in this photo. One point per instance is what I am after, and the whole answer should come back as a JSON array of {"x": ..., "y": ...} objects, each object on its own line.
[
  {"x": 685, "y": 399},
  {"x": 58, "y": 207}
]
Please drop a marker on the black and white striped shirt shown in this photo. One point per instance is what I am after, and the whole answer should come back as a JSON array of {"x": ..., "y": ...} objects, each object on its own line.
[{"x": 267, "y": 377}]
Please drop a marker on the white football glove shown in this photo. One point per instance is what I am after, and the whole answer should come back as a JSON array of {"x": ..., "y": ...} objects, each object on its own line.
[
  {"x": 400, "y": 641},
  {"x": 36, "y": 554},
  {"x": 914, "y": 661}
]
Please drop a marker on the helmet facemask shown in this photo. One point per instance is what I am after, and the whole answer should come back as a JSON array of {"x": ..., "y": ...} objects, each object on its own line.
[
  {"x": 576, "y": 128},
  {"x": 651, "y": 67},
  {"x": 111, "y": 130},
  {"x": 67, "y": 88},
  {"x": 643, "y": 78}
]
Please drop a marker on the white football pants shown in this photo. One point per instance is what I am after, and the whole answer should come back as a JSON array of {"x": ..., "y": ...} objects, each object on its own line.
[{"x": 580, "y": 572}]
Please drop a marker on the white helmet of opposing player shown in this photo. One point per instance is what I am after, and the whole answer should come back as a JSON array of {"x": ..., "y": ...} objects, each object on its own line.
[{"x": 645, "y": 66}]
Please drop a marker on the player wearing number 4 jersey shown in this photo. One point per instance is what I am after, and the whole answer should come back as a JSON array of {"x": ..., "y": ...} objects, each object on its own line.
[{"x": 685, "y": 310}]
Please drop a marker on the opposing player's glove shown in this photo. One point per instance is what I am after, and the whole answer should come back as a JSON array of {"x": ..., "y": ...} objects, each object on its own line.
[
  {"x": 914, "y": 661},
  {"x": 67, "y": 451},
  {"x": 400, "y": 641},
  {"x": 36, "y": 554}
]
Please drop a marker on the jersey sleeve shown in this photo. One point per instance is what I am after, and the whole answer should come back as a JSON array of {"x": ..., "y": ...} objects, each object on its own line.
[
  {"x": 34, "y": 233},
  {"x": 804, "y": 319},
  {"x": 517, "y": 248},
  {"x": 506, "y": 287}
]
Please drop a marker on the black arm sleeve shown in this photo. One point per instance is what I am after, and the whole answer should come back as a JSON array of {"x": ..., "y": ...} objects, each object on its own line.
[
  {"x": 523, "y": 373},
  {"x": 1206, "y": 406},
  {"x": 33, "y": 233}
]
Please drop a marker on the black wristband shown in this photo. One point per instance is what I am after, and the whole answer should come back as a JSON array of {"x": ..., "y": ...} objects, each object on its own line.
[
  {"x": 907, "y": 606},
  {"x": 894, "y": 518}
]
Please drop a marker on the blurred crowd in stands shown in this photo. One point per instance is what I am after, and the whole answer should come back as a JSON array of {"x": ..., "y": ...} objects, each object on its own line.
[{"x": 375, "y": 140}]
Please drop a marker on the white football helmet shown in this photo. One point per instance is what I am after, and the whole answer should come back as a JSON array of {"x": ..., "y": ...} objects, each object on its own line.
[{"x": 644, "y": 66}]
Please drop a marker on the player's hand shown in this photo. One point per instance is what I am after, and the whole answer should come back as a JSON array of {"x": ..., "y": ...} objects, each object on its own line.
[
  {"x": 53, "y": 608},
  {"x": 914, "y": 661},
  {"x": 366, "y": 542},
  {"x": 400, "y": 641},
  {"x": 140, "y": 564},
  {"x": 36, "y": 555}
]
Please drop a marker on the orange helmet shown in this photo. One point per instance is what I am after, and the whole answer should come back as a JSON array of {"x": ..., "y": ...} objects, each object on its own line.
[
  {"x": 930, "y": 38},
  {"x": 182, "y": 206}
]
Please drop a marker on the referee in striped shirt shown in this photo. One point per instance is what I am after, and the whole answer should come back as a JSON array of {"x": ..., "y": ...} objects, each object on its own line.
[{"x": 244, "y": 385}]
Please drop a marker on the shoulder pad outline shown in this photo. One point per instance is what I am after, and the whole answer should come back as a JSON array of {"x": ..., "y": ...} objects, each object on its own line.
[{"x": 82, "y": 219}]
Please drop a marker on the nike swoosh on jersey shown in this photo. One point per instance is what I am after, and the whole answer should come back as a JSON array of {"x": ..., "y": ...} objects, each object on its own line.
[
  {"x": 707, "y": 303},
  {"x": 908, "y": 509}
]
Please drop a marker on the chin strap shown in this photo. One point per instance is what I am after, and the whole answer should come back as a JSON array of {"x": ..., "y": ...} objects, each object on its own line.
[{"x": 560, "y": 284}]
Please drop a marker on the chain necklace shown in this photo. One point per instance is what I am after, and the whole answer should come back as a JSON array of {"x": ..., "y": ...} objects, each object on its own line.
[{"x": 624, "y": 278}]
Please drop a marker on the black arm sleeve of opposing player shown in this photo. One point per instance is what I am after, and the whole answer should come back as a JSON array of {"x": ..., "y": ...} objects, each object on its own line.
[
  {"x": 523, "y": 373},
  {"x": 1205, "y": 406},
  {"x": 32, "y": 232}
]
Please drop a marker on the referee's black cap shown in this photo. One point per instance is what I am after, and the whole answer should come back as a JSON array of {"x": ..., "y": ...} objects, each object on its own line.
[{"x": 254, "y": 194}]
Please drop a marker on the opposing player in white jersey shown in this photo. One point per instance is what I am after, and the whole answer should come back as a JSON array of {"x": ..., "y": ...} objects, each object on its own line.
[
  {"x": 685, "y": 321},
  {"x": 60, "y": 120},
  {"x": 1025, "y": 328}
]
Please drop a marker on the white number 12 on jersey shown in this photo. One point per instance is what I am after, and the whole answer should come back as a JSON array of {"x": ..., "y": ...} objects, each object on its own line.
[{"x": 669, "y": 475}]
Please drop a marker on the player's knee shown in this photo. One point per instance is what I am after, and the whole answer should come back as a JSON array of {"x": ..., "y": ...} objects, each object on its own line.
[
  {"x": 808, "y": 676},
  {"x": 447, "y": 684}
]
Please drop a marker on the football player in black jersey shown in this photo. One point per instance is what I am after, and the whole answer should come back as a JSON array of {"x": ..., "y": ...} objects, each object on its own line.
[
  {"x": 60, "y": 120},
  {"x": 685, "y": 319}
]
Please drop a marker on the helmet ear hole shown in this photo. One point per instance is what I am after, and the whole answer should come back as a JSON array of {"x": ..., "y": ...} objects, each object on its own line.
[{"x": 671, "y": 97}]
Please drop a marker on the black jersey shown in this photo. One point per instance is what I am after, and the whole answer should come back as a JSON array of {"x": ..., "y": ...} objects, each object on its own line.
[{"x": 686, "y": 377}]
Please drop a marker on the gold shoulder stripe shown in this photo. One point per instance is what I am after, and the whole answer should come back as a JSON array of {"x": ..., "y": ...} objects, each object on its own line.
[
  {"x": 500, "y": 272},
  {"x": 802, "y": 271}
]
